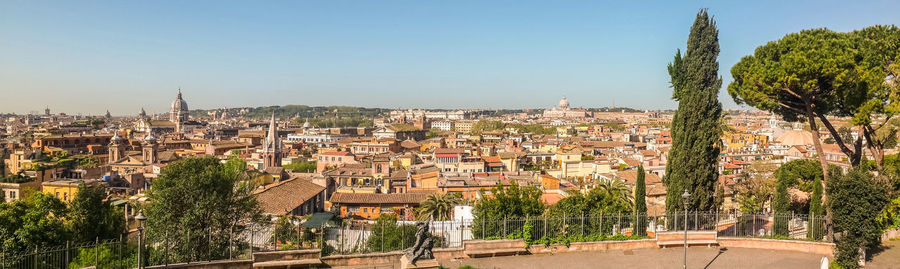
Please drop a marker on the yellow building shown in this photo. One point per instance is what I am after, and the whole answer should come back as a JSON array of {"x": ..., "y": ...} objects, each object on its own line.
[
  {"x": 406, "y": 160},
  {"x": 463, "y": 126},
  {"x": 66, "y": 189},
  {"x": 565, "y": 131},
  {"x": 18, "y": 161},
  {"x": 737, "y": 141}
]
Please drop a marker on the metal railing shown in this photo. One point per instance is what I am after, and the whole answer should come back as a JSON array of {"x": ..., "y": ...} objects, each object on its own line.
[
  {"x": 365, "y": 237},
  {"x": 351, "y": 237},
  {"x": 99, "y": 254}
]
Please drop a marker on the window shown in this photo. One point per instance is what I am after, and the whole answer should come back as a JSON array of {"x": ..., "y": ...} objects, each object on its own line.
[
  {"x": 12, "y": 195},
  {"x": 365, "y": 210}
]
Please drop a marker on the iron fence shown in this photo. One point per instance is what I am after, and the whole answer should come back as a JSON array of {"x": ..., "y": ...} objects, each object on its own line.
[
  {"x": 364, "y": 237},
  {"x": 99, "y": 254},
  {"x": 351, "y": 237}
]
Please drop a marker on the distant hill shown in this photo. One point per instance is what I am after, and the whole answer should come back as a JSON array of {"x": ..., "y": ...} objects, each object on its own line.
[
  {"x": 617, "y": 109},
  {"x": 318, "y": 116}
]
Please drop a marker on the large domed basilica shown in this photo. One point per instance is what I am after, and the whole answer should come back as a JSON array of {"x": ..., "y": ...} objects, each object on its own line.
[
  {"x": 562, "y": 110},
  {"x": 179, "y": 113}
]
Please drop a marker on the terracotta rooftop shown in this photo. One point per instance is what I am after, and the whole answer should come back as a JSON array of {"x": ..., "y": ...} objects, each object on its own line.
[
  {"x": 283, "y": 197},
  {"x": 379, "y": 198},
  {"x": 449, "y": 151},
  {"x": 630, "y": 177}
]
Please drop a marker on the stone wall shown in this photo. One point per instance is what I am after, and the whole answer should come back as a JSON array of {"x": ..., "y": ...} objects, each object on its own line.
[
  {"x": 892, "y": 233},
  {"x": 594, "y": 246},
  {"x": 392, "y": 257},
  {"x": 282, "y": 255},
  {"x": 354, "y": 260},
  {"x": 826, "y": 249},
  {"x": 232, "y": 264}
]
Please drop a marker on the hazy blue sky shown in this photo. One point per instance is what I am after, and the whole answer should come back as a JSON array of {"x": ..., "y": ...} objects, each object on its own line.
[{"x": 90, "y": 56}]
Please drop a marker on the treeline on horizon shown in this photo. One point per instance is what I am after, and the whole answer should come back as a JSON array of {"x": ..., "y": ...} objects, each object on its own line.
[{"x": 305, "y": 111}]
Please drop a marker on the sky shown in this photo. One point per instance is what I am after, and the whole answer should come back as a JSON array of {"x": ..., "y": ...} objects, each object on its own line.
[{"x": 86, "y": 57}]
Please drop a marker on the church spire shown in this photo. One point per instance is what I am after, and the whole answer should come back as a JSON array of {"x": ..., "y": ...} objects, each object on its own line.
[{"x": 272, "y": 146}]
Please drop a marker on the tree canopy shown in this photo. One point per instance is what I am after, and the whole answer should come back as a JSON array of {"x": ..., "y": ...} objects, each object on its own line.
[
  {"x": 598, "y": 200},
  {"x": 33, "y": 221},
  {"x": 512, "y": 201},
  {"x": 799, "y": 173},
  {"x": 199, "y": 203},
  {"x": 91, "y": 215},
  {"x": 856, "y": 200},
  {"x": 438, "y": 206}
]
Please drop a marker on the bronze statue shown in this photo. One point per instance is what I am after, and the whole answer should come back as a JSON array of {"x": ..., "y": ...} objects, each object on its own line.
[{"x": 422, "y": 248}]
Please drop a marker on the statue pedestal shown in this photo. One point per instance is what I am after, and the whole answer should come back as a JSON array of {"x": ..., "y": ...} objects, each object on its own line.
[{"x": 420, "y": 264}]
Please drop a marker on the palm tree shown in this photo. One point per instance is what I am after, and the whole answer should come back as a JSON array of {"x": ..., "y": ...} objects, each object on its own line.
[
  {"x": 617, "y": 189},
  {"x": 438, "y": 206}
]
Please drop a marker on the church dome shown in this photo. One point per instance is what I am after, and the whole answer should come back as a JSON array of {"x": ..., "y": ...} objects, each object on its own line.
[
  {"x": 116, "y": 138},
  {"x": 179, "y": 104},
  {"x": 150, "y": 138},
  {"x": 796, "y": 138},
  {"x": 563, "y": 104}
]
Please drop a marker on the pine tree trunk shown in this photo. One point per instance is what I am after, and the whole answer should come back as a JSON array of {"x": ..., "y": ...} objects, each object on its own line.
[{"x": 818, "y": 146}]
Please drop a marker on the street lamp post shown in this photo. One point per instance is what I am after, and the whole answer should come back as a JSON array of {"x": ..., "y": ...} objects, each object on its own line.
[
  {"x": 140, "y": 218},
  {"x": 684, "y": 199}
]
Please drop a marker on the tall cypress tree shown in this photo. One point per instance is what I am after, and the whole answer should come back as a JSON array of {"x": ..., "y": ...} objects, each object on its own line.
[
  {"x": 780, "y": 204},
  {"x": 695, "y": 126},
  {"x": 640, "y": 204},
  {"x": 816, "y": 211}
]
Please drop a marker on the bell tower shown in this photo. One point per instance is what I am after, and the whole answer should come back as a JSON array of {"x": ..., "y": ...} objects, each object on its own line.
[
  {"x": 149, "y": 149},
  {"x": 116, "y": 148}
]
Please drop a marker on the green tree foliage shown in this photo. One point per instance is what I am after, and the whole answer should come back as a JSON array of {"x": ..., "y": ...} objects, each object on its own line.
[
  {"x": 438, "y": 206},
  {"x": 486, "y": 126},
  {"x": 597, "y": 201},
  {"x": 876, "y": 73},
  {"x": 816, "y": 210},
  {"x": 32, "y": 221},
  {"x": 387, "y": 235},
  {"x": 780, "y": 205},
  {"x": 617, "y": 190},
  {"x": 856, "y": 200},
  {"x": 319, "y": 116},
  {"x": 802, "y": 76},
  {"x": 802, "y": 174},
  {"x": 109, "y": 257},
  {"x": 640, "y": 202},
  {"x": 91, "y": 216},
  {"x": 695, "y": 125},
  {"x": 302, "y": 167},
  {"x": 15, "y": 178},
  {"x": 286, "y": 232},
  {"x": 199, "y": 203},
  {"x": 892, "y": 171},
  {"x": 753, "y": 193},
  {"x": 617, "y": 127},
  {"x": 504, "y": 202},
  {"x": 720, "y": 196},
  {"x": 511, "y": 201},
  {"x": 532, "y": 128},
  {"x": 799, "y": 173}
]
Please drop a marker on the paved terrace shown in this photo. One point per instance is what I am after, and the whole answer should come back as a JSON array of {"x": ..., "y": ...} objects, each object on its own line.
[{"x": 698, "y": 257}]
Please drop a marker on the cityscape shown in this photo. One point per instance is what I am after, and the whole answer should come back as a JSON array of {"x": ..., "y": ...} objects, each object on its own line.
[{"x": 785, "y": 158}]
